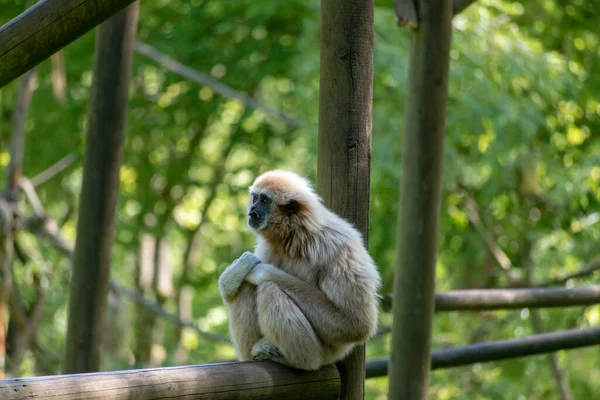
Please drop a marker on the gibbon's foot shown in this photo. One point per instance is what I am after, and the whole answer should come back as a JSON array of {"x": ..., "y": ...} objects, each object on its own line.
[{"x": 264, "y": 350}]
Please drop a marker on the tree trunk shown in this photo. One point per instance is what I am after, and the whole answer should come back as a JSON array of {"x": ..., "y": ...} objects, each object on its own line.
[
  {"x": 144, "y": 318},
  {"x": 8, "y": 205},
  {"x": 95, "y": 226},
  {"x": 21, "y": 333},
  {"x": 345, "y": 132},
  {"x": 420, "y": 189},
  {"x": 150, "y": 328}
]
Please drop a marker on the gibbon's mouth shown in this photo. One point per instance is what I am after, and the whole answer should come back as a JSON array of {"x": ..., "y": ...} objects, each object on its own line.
[{"x": 255, "y": 220}]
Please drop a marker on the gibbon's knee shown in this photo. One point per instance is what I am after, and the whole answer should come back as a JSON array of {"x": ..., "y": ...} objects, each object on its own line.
[
  {"x": 285, "y": 326},
  {"x": 243, "y": 322}
]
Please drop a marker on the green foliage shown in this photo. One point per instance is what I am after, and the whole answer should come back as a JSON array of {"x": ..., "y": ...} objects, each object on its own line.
[{"x": 522, "y": 146}]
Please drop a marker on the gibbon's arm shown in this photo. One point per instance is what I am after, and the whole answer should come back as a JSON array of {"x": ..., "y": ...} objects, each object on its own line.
[
  {"x": 333, "y": 323},
  {"x": 231, "y": 279}
]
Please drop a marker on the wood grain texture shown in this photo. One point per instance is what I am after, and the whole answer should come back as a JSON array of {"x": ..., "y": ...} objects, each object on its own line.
[
  {"x": 45, "y": 28},
  {"x": 345, "y": 120},
  {"x": 420, "y": 190},
  {"x": 247, "y": 380}
]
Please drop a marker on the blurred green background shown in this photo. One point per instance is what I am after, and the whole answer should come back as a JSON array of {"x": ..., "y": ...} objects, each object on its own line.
[{"x": 522, "y": 174}]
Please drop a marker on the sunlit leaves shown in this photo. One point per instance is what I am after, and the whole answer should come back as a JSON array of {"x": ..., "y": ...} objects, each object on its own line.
[
  {"x": 522, "y": 140},
  {"x": 592, "y": 315},
  {"x": 205, "y": 93},
  {"x": 4, "y": 158},
  {"x": 128, "y": 178}
]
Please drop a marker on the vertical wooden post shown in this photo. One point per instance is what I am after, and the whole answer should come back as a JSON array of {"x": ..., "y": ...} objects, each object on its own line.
[
  {"x": 95, "y": 226},
  {"x": 420, "y": 188},
  {"x": 345, "y": 132}
]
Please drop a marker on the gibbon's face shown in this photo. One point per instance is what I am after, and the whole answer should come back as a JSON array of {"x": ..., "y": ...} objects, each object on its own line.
[{"x": 259, "y": 210}]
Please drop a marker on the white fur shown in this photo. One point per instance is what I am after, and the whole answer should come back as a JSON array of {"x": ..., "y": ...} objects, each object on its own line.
[{"x": 313, "y": 296}]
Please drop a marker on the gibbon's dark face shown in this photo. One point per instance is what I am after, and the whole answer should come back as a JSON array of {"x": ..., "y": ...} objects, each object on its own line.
[{"x": 259, "y": 211}]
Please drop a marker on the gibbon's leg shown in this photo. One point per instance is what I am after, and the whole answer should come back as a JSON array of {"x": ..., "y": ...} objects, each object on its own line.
[
  {"x": 240, "y": 298},
  {"x": 286, "y": 331},
  {"x": 331, "y": 323},
  {"x": 243, "y": 321}
]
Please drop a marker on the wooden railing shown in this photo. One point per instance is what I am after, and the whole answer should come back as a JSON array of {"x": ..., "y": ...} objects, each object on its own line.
[
  {"x": 264, "y": 379},
  {"x": 500, "y": 350},
  {"x": 247, "y": 380}
]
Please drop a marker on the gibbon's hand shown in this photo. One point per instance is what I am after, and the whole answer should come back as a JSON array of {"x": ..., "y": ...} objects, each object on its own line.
[
  {"x": 233, "y": 276},
  {"x": 262, "y": 273},
  {"x": 247, "y": 261}
]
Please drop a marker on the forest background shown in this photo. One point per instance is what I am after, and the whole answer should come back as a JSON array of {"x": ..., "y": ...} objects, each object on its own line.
[{"x": 520, "y": 196}]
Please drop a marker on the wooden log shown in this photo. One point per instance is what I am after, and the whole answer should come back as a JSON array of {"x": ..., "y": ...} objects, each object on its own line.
[
  {"x": 419, "y": 209},
  {"x": 496, "y": 299},
  {"x": 99, "y": 190},
  {"x": 345, "y": 122},
  {"x": 248, "y": 380},
  {"x": 506, "y": 299},
  {"x": 500, "y": 350},
  {"x": 45, "y": 28}
]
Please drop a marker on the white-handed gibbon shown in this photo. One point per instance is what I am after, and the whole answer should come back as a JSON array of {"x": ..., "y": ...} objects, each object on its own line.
[{"x": 308, "y": 294}]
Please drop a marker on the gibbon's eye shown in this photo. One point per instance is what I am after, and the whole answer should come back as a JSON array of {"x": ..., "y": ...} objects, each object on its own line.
[
  {"x": 254, "y": 198},
  {"x": 264, "y": 199}
]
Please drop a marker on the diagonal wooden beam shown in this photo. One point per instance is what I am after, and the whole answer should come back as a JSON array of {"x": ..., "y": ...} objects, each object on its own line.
[{"x": 45, "y": 28}]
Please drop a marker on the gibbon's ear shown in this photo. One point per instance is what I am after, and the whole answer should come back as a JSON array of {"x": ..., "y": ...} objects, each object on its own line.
[{"x": 291, "y": 208}]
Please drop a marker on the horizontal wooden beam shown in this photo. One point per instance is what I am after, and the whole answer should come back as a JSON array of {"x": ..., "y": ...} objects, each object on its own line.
[
  {"x": 247, "y": 380},
  {"x": 502, "y": 299},
  {"x": 45, "y": 28},
  {"x": 267, "y": 380},
  {"x": 500, "y": 350}
]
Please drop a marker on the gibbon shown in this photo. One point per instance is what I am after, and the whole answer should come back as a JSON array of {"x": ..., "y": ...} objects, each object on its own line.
[{"x": 308, "y": 294}]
